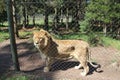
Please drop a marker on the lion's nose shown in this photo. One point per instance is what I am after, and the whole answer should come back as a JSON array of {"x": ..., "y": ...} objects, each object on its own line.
[{"x": 36, "y": 42}]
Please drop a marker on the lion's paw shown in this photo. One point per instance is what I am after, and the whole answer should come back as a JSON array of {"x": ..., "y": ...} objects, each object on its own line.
[
  {"x": 77, "y": 67},
  {"x": 83, "y": 73},
  {"x": 46, "y": 69}
]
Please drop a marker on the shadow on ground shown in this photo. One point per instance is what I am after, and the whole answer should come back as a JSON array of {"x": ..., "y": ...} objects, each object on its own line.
[
  {"x": 5, "y": 58},
  {"x": 30, "y": 61}
]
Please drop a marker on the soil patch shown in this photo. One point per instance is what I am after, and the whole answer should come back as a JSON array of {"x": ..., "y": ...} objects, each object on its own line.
[{"x": 32, "y": 65}]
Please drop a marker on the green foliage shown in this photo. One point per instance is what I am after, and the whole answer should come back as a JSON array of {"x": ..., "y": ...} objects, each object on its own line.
[
  {"x": 107, "y": 41},
  {"x": 3, "y": 17},
  {"x": 72, "y": 36},
  {"x": 3, "y": 14},
  {"x": 25, "y": 34},
  {"x": 16, "y": 78},
  {"x": 101, "y": 10},
  {"x": 55, "y": 3},
  {"x": 3, "y": 36},
  {"x": 2, "y": 6},
  {"x": 95, "y": 39},
  {"x": 84, "y": 25},
  {"x": 21, "y": 77}
]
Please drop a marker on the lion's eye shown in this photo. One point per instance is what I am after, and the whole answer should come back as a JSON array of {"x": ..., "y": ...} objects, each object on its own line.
[{"x": 41, "y": 39}]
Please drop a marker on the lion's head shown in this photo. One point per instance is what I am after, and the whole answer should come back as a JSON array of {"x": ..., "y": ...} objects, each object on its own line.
[{"x": 41, "y": 38}]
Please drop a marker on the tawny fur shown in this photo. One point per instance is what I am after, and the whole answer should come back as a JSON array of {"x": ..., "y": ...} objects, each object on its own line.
[{"x": 52, "y": 49}]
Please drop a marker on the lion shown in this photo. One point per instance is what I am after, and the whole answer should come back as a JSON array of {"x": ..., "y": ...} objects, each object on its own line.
[{"x": 53, "y": 49}]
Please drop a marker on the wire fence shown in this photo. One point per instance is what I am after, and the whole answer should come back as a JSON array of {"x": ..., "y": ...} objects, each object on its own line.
[{"x": 63, "y": 20}]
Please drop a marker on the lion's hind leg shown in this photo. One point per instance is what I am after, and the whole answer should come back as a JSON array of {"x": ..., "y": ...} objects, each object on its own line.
[
  {"x": 84, "y": 64},
  {"x": 85, "y": 67}
]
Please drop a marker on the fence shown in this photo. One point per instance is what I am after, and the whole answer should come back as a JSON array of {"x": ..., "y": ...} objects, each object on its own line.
[{"x": 64, "y": 20}]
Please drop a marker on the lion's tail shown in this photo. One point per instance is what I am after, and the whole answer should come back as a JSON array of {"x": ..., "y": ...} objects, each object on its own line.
[{"x": 89, "y": 59}]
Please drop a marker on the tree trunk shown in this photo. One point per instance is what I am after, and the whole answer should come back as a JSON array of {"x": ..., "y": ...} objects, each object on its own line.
[
  {"x": 75, "y": 17},
  {"x": 55, "y": 18},
  {"x": 15, "y": 19},
  {"x": 27, "y": 20},
  {"x": 111, "y": 27},
  {"x": 78, "y": 9},
  {"x": 12, "y": 35},
  {"x": 61, "y": 12},
  {"x": 24, "y": 15},
  {"x": 67, "y": 18},
  {"x": 33, "y": 19},
  {"x": 46, "y": 18},
  {"x": 105, "y": 30}
]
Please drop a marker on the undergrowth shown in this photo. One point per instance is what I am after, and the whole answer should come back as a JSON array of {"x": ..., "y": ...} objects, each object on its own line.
[{"x": 94, "y": 39}]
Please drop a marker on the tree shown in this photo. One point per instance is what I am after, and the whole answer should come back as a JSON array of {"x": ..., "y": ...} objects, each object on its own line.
[
  {"x": 74, "y": 8},
  {"x": 15, "y": 19},
  {"x": 12, "y": 35},
  {"x": 3, "y": 17},
  {"x": 102, "y": 10},
  {"x": 56, "y": 5},
  {"x": 2, "y": 6},
  {"x": 46, "y": 13},
  {"x": 35, "y": 7},
  {"x": 3, "y": 14}
]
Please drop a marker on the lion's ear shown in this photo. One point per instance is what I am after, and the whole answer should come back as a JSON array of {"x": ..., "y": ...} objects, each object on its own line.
[
  {"x": 34, "y": 32},
  {"x": 47, "y": 34},
  {"x": 42, "y": 30}
]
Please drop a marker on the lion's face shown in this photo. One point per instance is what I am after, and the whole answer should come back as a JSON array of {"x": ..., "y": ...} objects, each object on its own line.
[{"x": 40, "y": 39}]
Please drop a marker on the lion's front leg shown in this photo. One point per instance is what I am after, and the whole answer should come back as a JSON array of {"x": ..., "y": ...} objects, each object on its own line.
[{"x": 48, "y": 63}]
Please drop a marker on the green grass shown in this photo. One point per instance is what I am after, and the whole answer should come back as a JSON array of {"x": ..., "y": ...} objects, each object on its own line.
[
  {"x": 15, "y": 77},
  {"x": 38, "y": 21},
  {"x": 111, "y": 42},
  {"x": 24, "y": 34},
  {"x": 72, "y": 36},
  {"x": 107, "y": 41},
  {"x": 18, "y": 78},
  {"x": 22, "y": 77},
  {"x": 3, "y": 36}
]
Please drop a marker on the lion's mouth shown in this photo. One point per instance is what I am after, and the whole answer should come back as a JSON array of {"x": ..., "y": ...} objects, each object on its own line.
[{"x": 36, "y": 44}]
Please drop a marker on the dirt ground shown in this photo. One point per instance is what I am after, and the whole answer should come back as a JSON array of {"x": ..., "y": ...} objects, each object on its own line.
[{"x": 32, "y": 65}]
